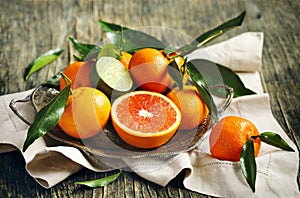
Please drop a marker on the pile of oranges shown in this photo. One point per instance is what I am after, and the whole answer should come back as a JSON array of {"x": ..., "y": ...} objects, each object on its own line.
[
  {"x": 146, "y": 117},
  {"x": 149, "y": 116}
]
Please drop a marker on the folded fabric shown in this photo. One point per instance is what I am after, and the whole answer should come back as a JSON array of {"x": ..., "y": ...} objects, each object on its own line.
[
  {"x": 49, "y": 163},
  {"x": 242, "y": 53},
  {"x": 277, "y": 169}
]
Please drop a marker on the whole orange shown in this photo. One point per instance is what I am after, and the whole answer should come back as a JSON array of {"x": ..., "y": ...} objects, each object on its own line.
[
  {"x": 86, "y": 114},
  {"x": 191, "y": 105},
  {"x": 125, "y": 59},
  {"x": 229, "y": 135},
  {"x": 82, "y": 78},
  {"x": 149, "y": 69},
  {"x": 79, "y": 74},
  {"x": 71, "y": 72}
]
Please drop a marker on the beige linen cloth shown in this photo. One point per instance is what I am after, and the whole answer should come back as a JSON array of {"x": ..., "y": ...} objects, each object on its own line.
[{"x": 277, "y": 169}]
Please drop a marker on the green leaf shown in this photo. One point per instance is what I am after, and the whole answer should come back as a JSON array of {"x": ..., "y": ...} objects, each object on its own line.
[
  {"x": 275, "y": 140},
  {"x": 195, "y": 74},
  {"x": 176, "y": 74},
  {"x": 47, "y": 117},
  {"x": 248, "y": 163},
  {"x": 212, "y": 34},
  {"x": 170, "y": 50},
  {"x": 232, "y": 80},
  {"x": 41, "y": 62},
  {"x": 100, "y": 182},
  {"x": 200, "y": 83},
  {"x": 111, "y": 27},
  {"x": 87, "y": 51},
  {"x": 129, "y": 40},
  {"x": 53, "y": 81},
  {"x": 108, "y": 50},
  {"x": 218, "y": 74},
  {"x": 84, "y": 48}
]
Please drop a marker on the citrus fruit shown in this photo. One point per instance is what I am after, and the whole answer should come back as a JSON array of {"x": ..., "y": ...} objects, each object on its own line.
[
  {"x": 125, "y": 59},
  {"x": 229, "y": 135},
  {"x": 179, "y": 61},
  {"x": 191, "y": 105},
  {"x": 112, "y": 76},
  {"x": 83, "y": 75},
  {"x": 145, "y": 119},
  {"x": 79, "y": 72},
  {"x": 71, "y": 72},
  {"x": 86, "y": 114},
  {"x": 149, "y": 69}
]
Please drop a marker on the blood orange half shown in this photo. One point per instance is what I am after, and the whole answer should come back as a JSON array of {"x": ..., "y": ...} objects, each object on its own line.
[{"x": 145, "y": 119}]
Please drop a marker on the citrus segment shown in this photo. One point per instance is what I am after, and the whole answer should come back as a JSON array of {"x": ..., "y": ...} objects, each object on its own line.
[
  {"x": 145, "y": 119},
  {"x": 86, "y": 114},
  {"x": 229, "y": 135}
]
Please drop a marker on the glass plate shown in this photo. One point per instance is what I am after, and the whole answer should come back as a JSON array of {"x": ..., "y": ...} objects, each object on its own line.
[{"x": 108, "y": 144}]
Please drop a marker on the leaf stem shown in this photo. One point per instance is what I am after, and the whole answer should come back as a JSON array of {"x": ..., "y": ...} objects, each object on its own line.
[
  {"x": 67, "y": 81},
  {"x": 275, "y": 140}
]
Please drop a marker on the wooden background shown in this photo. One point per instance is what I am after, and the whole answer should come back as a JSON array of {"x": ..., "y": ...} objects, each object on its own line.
[{"x": 29, "y": 28}]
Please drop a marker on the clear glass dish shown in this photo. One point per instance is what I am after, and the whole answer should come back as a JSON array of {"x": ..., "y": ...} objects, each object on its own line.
[{"x": 109, "y": 145}]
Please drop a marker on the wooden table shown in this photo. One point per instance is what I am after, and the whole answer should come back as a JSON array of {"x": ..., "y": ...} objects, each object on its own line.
[{"x": 30, "y": 28}]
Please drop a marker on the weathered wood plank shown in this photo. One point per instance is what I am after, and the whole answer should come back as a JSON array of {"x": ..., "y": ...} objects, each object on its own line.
[{"x": 29, "y": 28}]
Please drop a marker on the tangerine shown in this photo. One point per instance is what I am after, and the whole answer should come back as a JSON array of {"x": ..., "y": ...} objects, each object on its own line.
[
  {"x": 82, "y": 78},
  {"x": 191, "y": 105},
  {"x": 229, "y": 135},
  {"x": 149, "y": 68},
  {"x": 86, "y": 114},
  {"x": 125, "y": 59},
  {"x": 145, "y": 119}
]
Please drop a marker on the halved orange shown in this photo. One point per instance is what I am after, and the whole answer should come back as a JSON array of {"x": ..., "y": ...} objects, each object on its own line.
[{"x": 145, "y": 119}]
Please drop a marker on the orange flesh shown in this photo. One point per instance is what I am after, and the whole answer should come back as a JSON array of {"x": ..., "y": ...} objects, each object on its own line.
[{"x": 146, "y": 113}]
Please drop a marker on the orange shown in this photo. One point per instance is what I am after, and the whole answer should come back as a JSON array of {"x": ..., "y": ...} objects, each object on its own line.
[
  {"x": 145, "y": 119},
  {"x": 70, "y": 72},
  {"x": 83, "y": 76},
  {"x": 179, "y": 61},
  {"x": 86, "y": 114},
  {"x": 79, "y": 72},
  {"x": 125, "y": 59},
  {"x": 191, "y": 105},
  {"x": 229, "y": 135},
  {"x": 149, "y": 68}
]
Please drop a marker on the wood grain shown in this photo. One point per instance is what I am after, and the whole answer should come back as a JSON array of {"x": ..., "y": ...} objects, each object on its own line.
[{"x": 29, "y": 28}]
